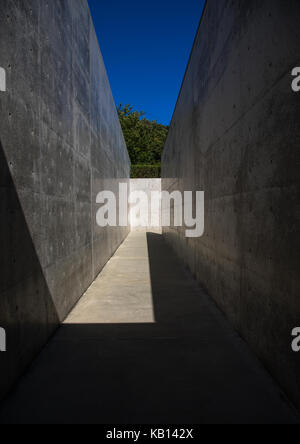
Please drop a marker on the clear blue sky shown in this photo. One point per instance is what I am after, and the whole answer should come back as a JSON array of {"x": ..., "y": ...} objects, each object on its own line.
[{"x": 146, "y": 47}]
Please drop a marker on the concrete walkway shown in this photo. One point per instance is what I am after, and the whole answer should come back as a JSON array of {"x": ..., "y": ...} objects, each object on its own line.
[{"x": 146, "y": 345}]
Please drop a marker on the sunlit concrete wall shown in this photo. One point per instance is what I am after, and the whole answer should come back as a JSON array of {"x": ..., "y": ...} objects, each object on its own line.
[
  {"x": 235, "y": 135},
  {"x": 61, "y": 143}
]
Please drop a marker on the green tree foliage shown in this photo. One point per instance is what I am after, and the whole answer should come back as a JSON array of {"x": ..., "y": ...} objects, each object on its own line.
[
  {"x": 145, "y": 171},
  {"x": 145, "y": 139}
]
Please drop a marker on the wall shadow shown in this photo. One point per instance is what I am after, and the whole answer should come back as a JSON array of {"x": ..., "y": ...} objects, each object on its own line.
[{"x": 27, "y": 312}]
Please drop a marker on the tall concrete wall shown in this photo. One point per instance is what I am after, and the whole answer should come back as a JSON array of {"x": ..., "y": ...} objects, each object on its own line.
[
  {"x": 235, "y": 135},
  {"x": 60, "y": 144}
]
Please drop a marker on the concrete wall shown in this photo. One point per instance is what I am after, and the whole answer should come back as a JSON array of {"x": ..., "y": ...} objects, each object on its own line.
[
  {"x": 149, "y": 215},
  {"x": 60, "y": 144},
  {"x": 235, "y": 135}
]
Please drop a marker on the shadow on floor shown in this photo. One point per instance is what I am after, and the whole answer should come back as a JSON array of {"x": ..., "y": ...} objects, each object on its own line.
[{"x": 188, "y": 368}]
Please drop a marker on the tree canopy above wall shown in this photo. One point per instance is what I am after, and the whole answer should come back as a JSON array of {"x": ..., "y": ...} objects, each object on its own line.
[{"x": 145, "y": 141}]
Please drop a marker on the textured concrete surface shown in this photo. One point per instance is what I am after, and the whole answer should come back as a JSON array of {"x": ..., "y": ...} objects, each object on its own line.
[
  {"x": 2, "y": 80},
  {"x": 235, "y": 135},
  {"x": 188, "y": 366},
  {"x": 60, "y": 144},
  {"x": 150, "y": 216}
]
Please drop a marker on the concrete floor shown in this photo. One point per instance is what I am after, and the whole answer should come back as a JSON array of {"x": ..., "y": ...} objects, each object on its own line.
[{"x": 146, "y": 345}]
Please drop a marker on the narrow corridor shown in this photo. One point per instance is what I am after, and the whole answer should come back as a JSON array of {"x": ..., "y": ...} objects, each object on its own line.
[
  {"x": 146, "y": 345},
  {"x": 122, "y": 292}
]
